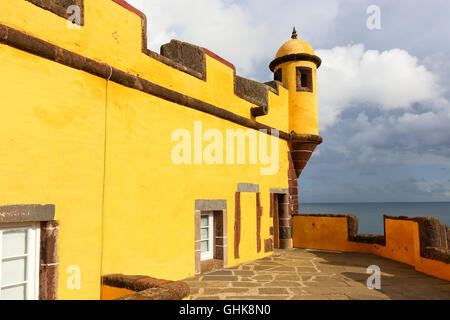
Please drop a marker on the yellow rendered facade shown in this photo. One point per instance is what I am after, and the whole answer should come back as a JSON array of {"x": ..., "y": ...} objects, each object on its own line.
[
  {"x": 52, "y": 152},
  {"x": 101, "y": 152}
]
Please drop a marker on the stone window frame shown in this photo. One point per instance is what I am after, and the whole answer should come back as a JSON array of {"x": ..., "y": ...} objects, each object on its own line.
[
  {"x": 220, "y": 246},
  {"x": 48, "y": 250},
  {"x": 307, "y": 73}
]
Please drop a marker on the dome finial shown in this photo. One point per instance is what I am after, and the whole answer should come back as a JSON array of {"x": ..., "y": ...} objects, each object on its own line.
[{"x": 294, "y": 34}]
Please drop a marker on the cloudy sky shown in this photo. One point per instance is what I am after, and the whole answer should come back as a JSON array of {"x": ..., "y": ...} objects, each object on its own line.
[{"x": 384, "y": 94}]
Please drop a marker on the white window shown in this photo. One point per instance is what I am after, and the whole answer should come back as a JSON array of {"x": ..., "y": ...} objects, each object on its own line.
[
  {"x": 19, "y": 262},
  {"x": 206, "y": 236}
]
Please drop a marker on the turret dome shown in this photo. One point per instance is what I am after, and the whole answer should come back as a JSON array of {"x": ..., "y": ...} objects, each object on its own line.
[
  {"x": 294, "y": 46},
  {"x": 295, "y": 50}
]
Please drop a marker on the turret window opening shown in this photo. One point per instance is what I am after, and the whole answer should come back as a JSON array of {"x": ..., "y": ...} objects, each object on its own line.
[
  {"x": 304, "y": 79},
  {"x": 278, "y": 76}
]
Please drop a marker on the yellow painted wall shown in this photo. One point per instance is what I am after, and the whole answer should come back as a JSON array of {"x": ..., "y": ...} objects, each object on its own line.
[
  {"x": 113, "y": 293},
  {"x": 147, "y": 193},
  {"x": 51, "y": 143},
  {"x": 402, "y": 241},
  {"x": 320, "y": 233},
  {"x": 247, "y": 249},
  {"x": 53, "y": 150}
]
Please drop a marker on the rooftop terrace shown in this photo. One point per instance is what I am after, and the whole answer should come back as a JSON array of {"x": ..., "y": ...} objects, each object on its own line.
[{"x": 300, "y": 274}]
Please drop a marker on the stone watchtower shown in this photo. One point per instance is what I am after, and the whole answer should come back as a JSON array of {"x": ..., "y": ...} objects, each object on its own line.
[{"x": 295, "y": 66}]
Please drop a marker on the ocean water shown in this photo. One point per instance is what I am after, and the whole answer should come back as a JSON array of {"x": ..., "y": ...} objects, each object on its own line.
[{"x": 370, "y": 214}]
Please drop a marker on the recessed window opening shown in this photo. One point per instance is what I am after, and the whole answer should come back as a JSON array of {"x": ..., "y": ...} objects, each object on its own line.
[
  {"x": 19, "y": 262},
  {"x": 304, "y": 79},
  {"x": 207, "y": 235},
  {"x": 278, "y": 76}
]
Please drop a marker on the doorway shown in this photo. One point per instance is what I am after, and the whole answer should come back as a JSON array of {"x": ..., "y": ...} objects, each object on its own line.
[
  {"x": 210, "y": 235},
  {"x": 281, "y": 221}
]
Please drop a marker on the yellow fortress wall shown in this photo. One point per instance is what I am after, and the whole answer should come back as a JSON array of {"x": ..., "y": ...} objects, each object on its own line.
[
  {"x": 92, "y": 118},
  {"x": 52, "y": 152},
  {"x": 101, "y": 152},
  {"x": 138, "y": 201}
]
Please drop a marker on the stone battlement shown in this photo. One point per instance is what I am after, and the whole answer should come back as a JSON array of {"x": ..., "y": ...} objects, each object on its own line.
[{"x": 123, "y": 46}]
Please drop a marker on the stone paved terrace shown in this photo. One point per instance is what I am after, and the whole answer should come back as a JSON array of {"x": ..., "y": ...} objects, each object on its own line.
[{"x": 300, "y": 274}]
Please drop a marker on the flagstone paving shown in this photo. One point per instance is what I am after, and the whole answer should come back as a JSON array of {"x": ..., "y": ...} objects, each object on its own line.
[{"x": 300, "y": 274}]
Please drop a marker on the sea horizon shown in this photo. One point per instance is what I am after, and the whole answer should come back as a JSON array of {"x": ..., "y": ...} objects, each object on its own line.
[{"x": 370, "y": 214}]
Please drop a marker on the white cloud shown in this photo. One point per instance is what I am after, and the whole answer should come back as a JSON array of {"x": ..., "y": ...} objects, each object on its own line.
[
  {"x": 219, "y": 25},
  {"x": 403, "y": 138},
  {"x": 247, "y": 33},
  {"x": 390, "y": 79}
]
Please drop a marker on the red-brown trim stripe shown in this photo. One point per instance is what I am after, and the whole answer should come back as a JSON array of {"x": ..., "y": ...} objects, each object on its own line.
[
  {"x": 271, "y": 213},
  {"x": 237, "y": 224},
  {"x": 128, "y": 6},
  {"x": 258, "y": 222},
  {"x": 218, "y": 58}
]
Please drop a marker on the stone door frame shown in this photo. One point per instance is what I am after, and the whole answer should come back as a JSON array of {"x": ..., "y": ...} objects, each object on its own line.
[{"x": 220, "y": 255}]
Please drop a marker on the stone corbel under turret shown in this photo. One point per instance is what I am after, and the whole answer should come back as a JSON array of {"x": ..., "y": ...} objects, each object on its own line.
[{"x": 302, "y": 146}]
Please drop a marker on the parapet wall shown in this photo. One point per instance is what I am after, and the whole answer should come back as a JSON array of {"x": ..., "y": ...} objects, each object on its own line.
[
  {"x": 114, "y": 33},
  {"x": 192, "y": 60},
  {"x": 421, "y": 242}
]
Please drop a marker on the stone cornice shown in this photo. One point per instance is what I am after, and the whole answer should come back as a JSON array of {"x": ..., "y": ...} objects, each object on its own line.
[{"x": 295, "y": 57}]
